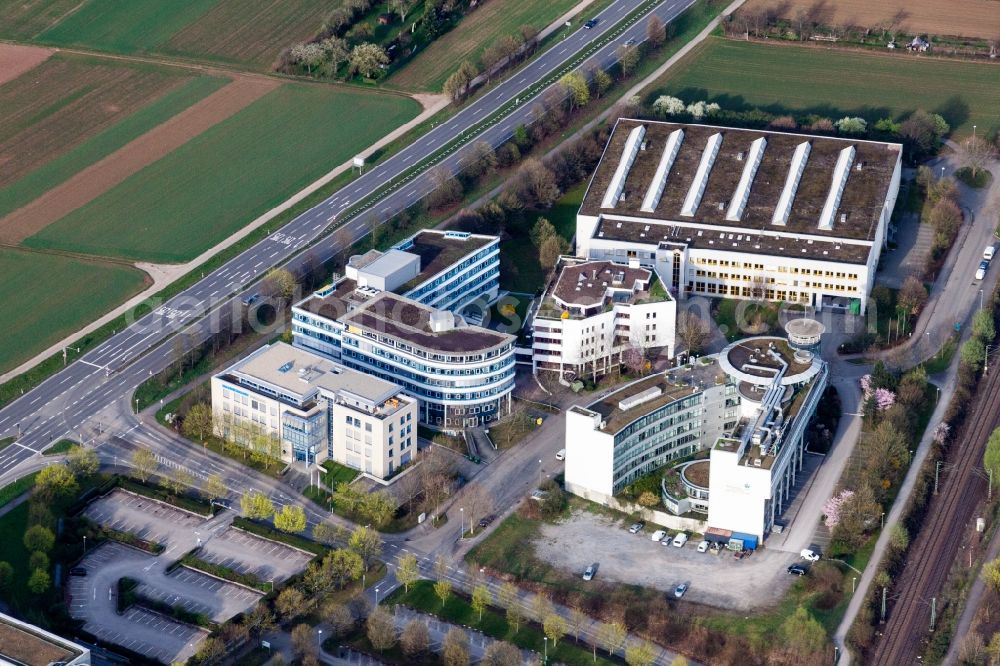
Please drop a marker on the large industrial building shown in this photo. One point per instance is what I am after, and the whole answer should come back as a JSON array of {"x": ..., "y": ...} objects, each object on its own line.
[
  {"x": 743, "y": 213},
  {"x": 747, "y": 407},
  {"x": 396, "y": 315}
]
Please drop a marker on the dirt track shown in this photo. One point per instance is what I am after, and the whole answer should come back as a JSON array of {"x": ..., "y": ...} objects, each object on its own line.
[
  {"x": 966, "y": 18},
  {"x": 16, "y": 60},
  {"x": 101, "y": 176}
]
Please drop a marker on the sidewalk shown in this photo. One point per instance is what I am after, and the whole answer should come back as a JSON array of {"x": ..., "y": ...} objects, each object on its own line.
[{"x": 972, "y": 602}]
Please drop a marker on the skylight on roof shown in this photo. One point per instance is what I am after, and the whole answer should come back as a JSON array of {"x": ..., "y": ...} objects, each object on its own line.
[
  {"x": 739, "y": 202},
  {"x": 840, "y": 174},
  {"x": 697, "y": 190},
  {"x": 617, "y": 185},
  {"x": 659, "y": 182},
  {"x": 784, "y": 208}
]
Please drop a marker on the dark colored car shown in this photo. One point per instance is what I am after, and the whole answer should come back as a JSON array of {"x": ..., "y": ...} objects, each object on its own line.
[
  {"x": 590, "y": 24},
  {"x": 797, "y": 570},
  {"x": 485, "y": 522},
  {"x": 78, "y": 571}
]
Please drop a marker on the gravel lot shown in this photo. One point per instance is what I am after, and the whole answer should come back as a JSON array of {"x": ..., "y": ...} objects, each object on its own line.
[{"x": 715, "y": 580}]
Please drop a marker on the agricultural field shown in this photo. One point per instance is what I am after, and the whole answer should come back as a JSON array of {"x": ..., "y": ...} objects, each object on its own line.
[
  {"x": 473, "y": 34},
  {"x": 48, "y": 297},
  {"x": 965, "y": 18},
  {"x": 251, "y": 32},
  {"x": 56, "y": 106},
  {"x": 208, "y": 188},
  {"x": 802, "y": 79}
]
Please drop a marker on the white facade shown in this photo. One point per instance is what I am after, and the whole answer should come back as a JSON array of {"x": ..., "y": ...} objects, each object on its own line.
[{"x": 289, "y": 403}]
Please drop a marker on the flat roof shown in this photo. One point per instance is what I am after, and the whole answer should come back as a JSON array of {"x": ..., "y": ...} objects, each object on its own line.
[
  {"x": 300, "y": 372},
  {"x": 438, "y": 250},
  {"x": 388, "y": 262},
  {"x": 676, "y": 383},
  {"x": 589, "y": 283},
  {"x": 752, "y": 174},
  {"x": 409, "y": 321},
  {"x": 22, "y": 643}
]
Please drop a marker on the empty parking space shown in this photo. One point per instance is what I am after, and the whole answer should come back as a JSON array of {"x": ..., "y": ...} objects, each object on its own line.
[
  {"x": 151, "y": 634},
  {"x": 247, "y": 553},
  {"x": 143, "y": 517}
]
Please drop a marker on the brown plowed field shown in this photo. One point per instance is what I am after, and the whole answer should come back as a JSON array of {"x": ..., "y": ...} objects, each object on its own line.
[
  {"x": 15, "y": 60},
  {"x": 252, "y": 31},
  {"x": 965, "y": 18},
  {"x": 101, "y": 176},
  {"x": 57, "y": 105}
]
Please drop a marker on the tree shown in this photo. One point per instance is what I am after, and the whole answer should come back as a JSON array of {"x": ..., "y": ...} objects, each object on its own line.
[
  {"x": 912, "y": 295},
  {"x": 602, "y": 82},
  {"x": 991, "y": 575},
  {"x": 457, "y": 85},
  {"x": 577, "y": 88},
  {"x": 555, "y": 627},
  {"x": 365, "y": 542},
  {"x": 291, "y": 518},
  {"x": 39, "y": 537},
  {"x": 973, "y": 352},
  {"x": 211, "y": 651},
  {"x": 179, "y": 481},
  {"x": 656, "y": 31},
  {"x": 39, "y": 581},
  {"x": 401, "y": 7},
  {"x": 852, "y": 125},
  {"x": 256, "y": 505},
  {"x": 55, "y": 482},
  {"x": 83, "y": 462},
  {"x": 339, "y": 617},
  {"x": 415, "y": 640},
  {"x": 804, "y": 636},
  {"x": 640, "y": 654},
  {"x": 611, "y": 635},
  {"x": 679, "y": 660},
  {"x": 309, "y": 55},
  {"x": 541, "y": 231},
  {"x": 367, "y": 59},
  {"x": 144, "y": 463},
  {"x": 577, "y": 618},
  {"x": 501, "y": 653},
  {"x": 991, "y": 457},
  {"x": 377, "y": 508},
  {"x": 380, "y": 629},
  {"x": 337, "y": 52},
  {"x": 536, "y": 185},
  {"x": 456, "y": 648},
  {"x": 38, "y": 560},
  {"x": 552, "y": 248},
  {"x": 303, "y": 642},
  {"x": 290, "y": 604},
  {"x": 482, "y": 160},
  {"x": 692, "y": 331},
  {"x": 977, "y": 155},
  {"x": 477, "y": 502},
  {"x": 923, "y": 130},
  {"x": 515, "y": 616},
  {"x": 481, "y": 599},
  {"x": 628, "y": 58},
  {"x": 859, "y": 512},
  {"x": 993, "y": 649},
  {"x": 215, "y": 487},
  {"x": 442, "y": 589},
  {"x": 258, "y": 620},
  {"x": 982, "y": 326},
  {"x": 281, "y": 283},
  {"x": 667, "y": 105},
  {"x": 447, "y": 190},
  {"x": 6, "y": 575},
  {"x": 407, "y": 570},
  {"x": 347, "y": 497},
  {"x": 343, "y": 566}
]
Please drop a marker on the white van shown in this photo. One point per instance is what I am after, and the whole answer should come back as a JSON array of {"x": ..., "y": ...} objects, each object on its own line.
[
  {"x": 703, "y": 547},
  {"x": 658, "y": 534},
  {"x": 988, "y": 253},
  {"x": 561, "y": 455},
  {"x": 680, "y": 540}
]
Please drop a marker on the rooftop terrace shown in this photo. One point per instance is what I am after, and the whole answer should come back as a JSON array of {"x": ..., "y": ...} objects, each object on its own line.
[
  {"x": 590, "y": 283},
  {"x": 439, "y": 250},
  {"x": 753, "y": 175}
]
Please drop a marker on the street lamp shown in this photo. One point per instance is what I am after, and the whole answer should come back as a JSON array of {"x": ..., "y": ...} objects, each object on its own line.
[
  {"x": 980, "y": 299},
  {"x": 376, "y": 596},
  {"x": 539, "y": 471},
  {"x": 84, "y": 544},
  {"x": 319, "y": 640},
  {"x": 461, "y": 512},
  {"x": 546, "y": 639}
]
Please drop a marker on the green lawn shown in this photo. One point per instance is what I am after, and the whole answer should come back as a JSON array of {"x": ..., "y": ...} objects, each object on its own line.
[
  {"x": 60, "y": 447},
  {"x": 52, "y": 173},
  {"x": 24, "y": 20},
  {"x": 12, "y": 491},
  {"x": 216, "y": 183},
  {"x": 457, "y": 610},
  {"x": 12, "y": 550},
  {"x": 53, "y": 296},
  {"x": 474, "y": 33},
  {"x": 336, "y": 473},
  {"x": 784, "y": 78},
  {"x": 125, "y": 27}
]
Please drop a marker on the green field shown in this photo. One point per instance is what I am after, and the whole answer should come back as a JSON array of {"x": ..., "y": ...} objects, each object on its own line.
[
  {"x": 24, "y": 20},
  {"x": 216, "y": 183},
  {"x": 834, "y": 83},
  {"x": 48, "y": 297},
  {"x": 52, "y": 173},
  {"x": 474, "y": 33}
]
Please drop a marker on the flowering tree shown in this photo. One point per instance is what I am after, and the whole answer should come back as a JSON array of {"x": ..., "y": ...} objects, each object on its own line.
[
  {"x": 833, "y": 506},
  {"x": 941, "y": 432},
  {"x": 866, "y": 386},
  {"x": 665, "y": 105},
  {"x": 884, "y": 399}
]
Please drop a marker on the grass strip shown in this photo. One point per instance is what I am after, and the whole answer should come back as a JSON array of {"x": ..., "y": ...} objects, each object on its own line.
[
  {"x": 188, "y": 503},
  {"x": 192, "y": 561},
  {"x": 60, "y": 447},
  {"x": 12, "y": 491},
  {"x": 268, "y": 532}
]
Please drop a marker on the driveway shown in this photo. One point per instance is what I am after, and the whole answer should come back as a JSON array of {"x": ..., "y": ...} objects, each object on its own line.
[{"x": 715, "y": 580}]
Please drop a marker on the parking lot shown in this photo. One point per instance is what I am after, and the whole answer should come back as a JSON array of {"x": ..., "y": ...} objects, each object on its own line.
[
  {"x": 247, "y": 553},
  {"x": 717, "y": 580},
  {"x": 150, "y": 520}
]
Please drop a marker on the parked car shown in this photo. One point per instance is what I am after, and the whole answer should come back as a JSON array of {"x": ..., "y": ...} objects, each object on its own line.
[
  {"x": 797, "y": 570},
  {"x": 485, "y": 522},
  {"x": 658, "y": 535},
  {"x": 561, "y": 454},
  {"x": 589, "y": 572},
  {"x": 808, "y": 554},
  {"x": 637, "y": 527},
  {"x": 630, "y": 41},
  {"x": 590, "y": 24},
  {"x": 981, "y": 271},
  {"x": 680, "y": 540},
  {"x": 250, "y": 300},
  {"x": 680, "y": 590},
  {"x": 703, "y": 547},
  {"x": 988, "y": 252},
  {"x": 78, "y": 571}
]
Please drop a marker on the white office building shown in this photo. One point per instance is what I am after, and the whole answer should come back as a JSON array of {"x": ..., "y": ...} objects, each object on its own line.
[
  {"x": 595, "y": 312},
  {"x": 302, "y": 407},
  {"x": 743, "y": 213}
]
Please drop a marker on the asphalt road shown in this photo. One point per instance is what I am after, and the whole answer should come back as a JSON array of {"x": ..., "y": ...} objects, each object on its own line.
[{"x": 67, "y": 401}]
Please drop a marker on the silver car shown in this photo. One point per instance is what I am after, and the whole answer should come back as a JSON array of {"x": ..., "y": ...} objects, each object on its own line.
[
  {"x": 588, "y": 574},
  {"x": 680, "y": 590}
]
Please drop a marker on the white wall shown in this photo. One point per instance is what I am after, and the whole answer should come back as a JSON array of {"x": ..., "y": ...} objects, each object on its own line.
[
  {"x": 589, "y": 456},
  {"x": 737, "y": 494}
]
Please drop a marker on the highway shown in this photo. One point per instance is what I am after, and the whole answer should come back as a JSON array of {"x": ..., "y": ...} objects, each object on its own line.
[{"x": 68, "y": 401}]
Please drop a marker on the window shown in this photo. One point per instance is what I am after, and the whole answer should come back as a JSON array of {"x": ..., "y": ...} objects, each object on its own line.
[{"x": 368, "y": 427}]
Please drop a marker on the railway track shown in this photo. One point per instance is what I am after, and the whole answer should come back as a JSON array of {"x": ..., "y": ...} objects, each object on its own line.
[{"x": 935, "y": 549}]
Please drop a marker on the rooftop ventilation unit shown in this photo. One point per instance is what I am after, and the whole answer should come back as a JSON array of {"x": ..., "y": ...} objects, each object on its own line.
[
  {"x": 784, "y": 208},
  {"x": 286, "y": 367},
  {"x": 640, "y": 398},
  {"x": 624, "y": 166},
  {"x": 742, "y": 195},
  {"x": 655, "y": 191},
  {"x": 837, "y": 185},
  {"x": 693, "y": 198}
]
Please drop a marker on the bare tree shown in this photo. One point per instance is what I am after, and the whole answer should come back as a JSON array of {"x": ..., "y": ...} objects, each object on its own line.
[
  {"x": 415, "y": 640},
  {"x": 692, "y": 331},
  {"x": 477, "y": 502},
  {"x": 978, "y": 153},
  {"x": 656, "y": 32},
  {"x": 381, "y": 629}
]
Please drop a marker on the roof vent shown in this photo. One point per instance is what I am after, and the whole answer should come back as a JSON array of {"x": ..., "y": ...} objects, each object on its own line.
[
  {"x": 640, "y": 398},
  {"x": 642, "y": 146},
  {"x": 739, "y": 157},
  {"x": 858, "y": 166}
]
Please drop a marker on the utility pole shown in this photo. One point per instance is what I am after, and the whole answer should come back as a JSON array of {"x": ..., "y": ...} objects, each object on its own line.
[
  {"x": 937, "y": 471},
  {"x": 882, "y": 619},
  {"x": 933, "y": 611}
]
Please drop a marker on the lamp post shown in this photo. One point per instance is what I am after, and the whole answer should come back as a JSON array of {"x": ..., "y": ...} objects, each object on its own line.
[
  {"x": 539, "y": 471},
  {"x": 546, "y": 639},
  {"x": 376, "y": 597},
  {"x": 461, "y": 512},
  {"x": 319, "y": 639},
  {"x": 84, "y": 544}
]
